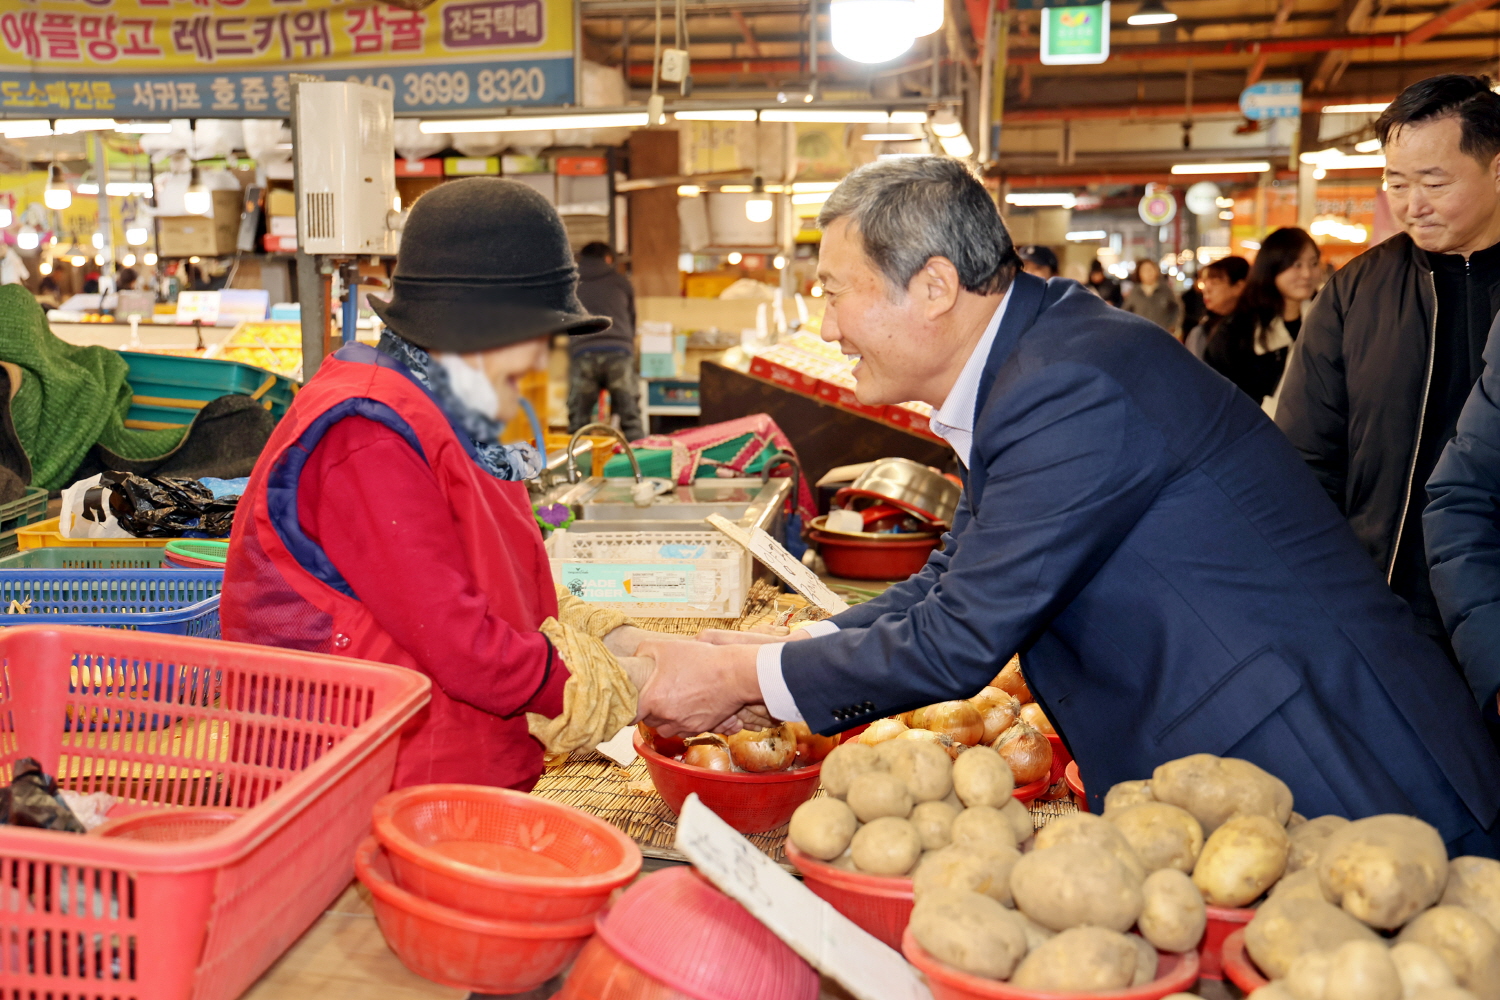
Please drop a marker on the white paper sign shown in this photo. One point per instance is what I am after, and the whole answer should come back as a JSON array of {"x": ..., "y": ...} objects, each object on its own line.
[
  {"x": 832, "y": 943},
  {"x": 781, "y": 562},
  {"x": 620, "y": 747},
  {"x": 197, "y": 307}
]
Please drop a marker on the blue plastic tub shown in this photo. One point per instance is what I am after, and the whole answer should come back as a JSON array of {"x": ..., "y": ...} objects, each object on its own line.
[
  {"x": 173, "y": 601},
  {"x": 170, "y": 390}
]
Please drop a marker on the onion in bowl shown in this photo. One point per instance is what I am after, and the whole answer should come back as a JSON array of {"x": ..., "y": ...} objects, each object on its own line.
[
  {"x": 957, "y": 720},
  {"x": 811, "y": 747},
  {"x": 1034, "y": 717},
  {"x": 760, "y": 751},
  {"x": 1027, "y": 751},
  {"x": 881, "y": 730},
  {"x": 1011, "y": 682},
  {"x": 998, "y": 709}
]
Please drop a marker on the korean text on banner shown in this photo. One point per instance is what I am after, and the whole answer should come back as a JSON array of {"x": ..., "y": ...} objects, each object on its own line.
[{"x": 230, "y": 58}]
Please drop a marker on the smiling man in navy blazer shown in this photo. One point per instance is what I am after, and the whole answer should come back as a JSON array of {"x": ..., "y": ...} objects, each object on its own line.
[{"x": 1174, "y": 578}]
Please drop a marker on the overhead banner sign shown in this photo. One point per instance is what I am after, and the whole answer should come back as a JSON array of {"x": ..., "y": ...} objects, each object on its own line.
[
  {"x": 230, "y": 58},
  {"x": 1272, "y": 99},
  {"x": 1073, "y": 36}
]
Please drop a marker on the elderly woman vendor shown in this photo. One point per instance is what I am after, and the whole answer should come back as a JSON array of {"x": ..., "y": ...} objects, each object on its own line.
[{"x": 385, "y": 521}]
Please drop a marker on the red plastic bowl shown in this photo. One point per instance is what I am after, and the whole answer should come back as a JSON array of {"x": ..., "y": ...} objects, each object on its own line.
[
  {"x": 498, "y": 853},
  {"x": 1075, "y": 785},
  {"x": 1222, "y": 922},
  {"x": 1029, "y": 793},
  {"x": 1060, "y": 757},
  {"x": 853, "y": 559},
  {"x": 600, "y": 974},
  {"x": 751, "y": 803},
  {"x": 461, "y": 950},
  {"x": 880, "y": 904},
  {"x": 1239, "y": 968},
  {"x": 1175, "y": 974},
  {"x": 169, "y": 825}
]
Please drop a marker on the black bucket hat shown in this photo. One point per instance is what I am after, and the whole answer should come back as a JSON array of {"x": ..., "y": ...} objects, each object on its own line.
[{"x": 484, "y": 262}]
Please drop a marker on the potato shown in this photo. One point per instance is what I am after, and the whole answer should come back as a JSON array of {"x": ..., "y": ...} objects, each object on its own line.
[
  {"x": 1126, "y": 794},
  {"x": 1172, "y": 912},
  {"x": 1446, "y": 993},
  {"x": 1080, "y": 959},
  {"x": 1304, "y": 883},
  {"x": 1241, "y": 859},
  {"x": 1215, "y": 788},
  {"x": 1362, "y": 970},
  {"x": 1420, "y": 968},
  {"x": 1467, "y": 942},
  {"x": 1272, "y": 991},
  {"x": 982, "y": 870},
  {"x": 1036, "y": 934},
  {"x": 847, "y": 761},
  {"x": 1308, "y": 839},
  {"x": 1162, "y": 835},
  {"x": 823, "y": 827},
  {"x": 845, "y": 862},
  {"x": 1020, "y": 820},
  {"x": 886, "y": 846},
  {"x": 981, "y": 825},
  {"x": 926, "y": 769},
  {"x": 1384, "y": 869},
  {"x": 1295, "y": 820},
  {"x": 1085, "y": 828},
  {"x": 1307, "y": 979},
  {"x": 1074, "y": 884},
  {"x": 878, "y": 793},
  {"x": 934, "y": 823},
  {"x": 1474, "y": 884},
  {"x": 982, "y": 778},
  {"x": 970, "y": 932},
  {"x": 1286, "y": 926},
  {"x": 1146, "y": 961}
]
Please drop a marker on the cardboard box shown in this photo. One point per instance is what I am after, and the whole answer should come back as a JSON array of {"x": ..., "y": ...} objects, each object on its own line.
[
  {"x": 836, "y": 392},
  {"x": 212, "y": 235},
  {"x": 763, "y": 367},
  {"x": 282, "y": 225},
  {"x": 279, "y": 244},
  {"x": 280, "y": 201}
]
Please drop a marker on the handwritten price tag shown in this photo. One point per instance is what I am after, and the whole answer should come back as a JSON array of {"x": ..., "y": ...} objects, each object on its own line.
[{"x": 781, "y": 562}]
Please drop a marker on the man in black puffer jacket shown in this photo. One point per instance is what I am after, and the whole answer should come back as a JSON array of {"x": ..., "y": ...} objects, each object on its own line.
[
  {"x": 1394, "y": 342},
  {"x": 604, "y": 360}
]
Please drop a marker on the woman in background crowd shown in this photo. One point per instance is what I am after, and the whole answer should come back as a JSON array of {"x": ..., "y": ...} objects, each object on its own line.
[
  {"x": 1222, "y": 282},
  {"x": 1250, "y": 347},
  {"x": 1153, "y": 298}
]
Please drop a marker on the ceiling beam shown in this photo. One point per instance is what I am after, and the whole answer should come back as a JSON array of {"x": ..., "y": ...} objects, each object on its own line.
[
  {"x": 744, "y": 26},
  {"x": 1455, "y": 13}
]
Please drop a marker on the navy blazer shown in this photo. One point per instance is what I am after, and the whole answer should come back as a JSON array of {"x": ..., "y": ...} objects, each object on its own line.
[{"x": 1175, "y": 580}]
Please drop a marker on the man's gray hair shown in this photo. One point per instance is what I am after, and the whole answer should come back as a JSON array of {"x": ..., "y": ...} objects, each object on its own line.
[{"x": 914, "y": 208}]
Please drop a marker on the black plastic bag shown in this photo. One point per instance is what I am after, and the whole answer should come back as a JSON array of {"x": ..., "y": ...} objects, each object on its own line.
[
  {"x": 162, "y": 506},
  {"x": 31, "y": 800}
]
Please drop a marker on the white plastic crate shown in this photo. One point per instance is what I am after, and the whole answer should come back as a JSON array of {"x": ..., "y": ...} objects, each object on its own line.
[{"x": 654, "y": 574}]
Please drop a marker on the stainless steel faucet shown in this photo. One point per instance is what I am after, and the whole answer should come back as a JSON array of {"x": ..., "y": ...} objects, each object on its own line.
[{"x": 574, "y": 475}]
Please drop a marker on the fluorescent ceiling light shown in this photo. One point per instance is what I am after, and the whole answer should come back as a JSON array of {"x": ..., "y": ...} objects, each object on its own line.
[
  {"x": 811, "y": 198},
  {"x": 1253, "y": 167},
  {"x": 872, "y": 31},
  {"x": 1250, "y": 244},
  {"x": 1151, "y": 12},
  {"x": 124, "y": 189},
  {"x": 143, "y": 128},
  {"x": 946, "y": 126},
  {"x": 1368, "y": 146},
  {"x": 1333, "y": 159},
  {"x": 1051, "y": 199},
  {"x": 27, "y": 129},
  {"x": 538, "y": 123},
  {"x": 1354, "y": 109},
  {"x": 806, "y": 187},
  {"x": 724, "y": 115},
  {"x": 890, "y": 137},
  {"x": 688, "y": 190},
  {"x": 844, "y": 116},
  {"x": 737, "y": 188},
  {"x": 68, "y": 126},
  {"x": 1088, "y": 234},
  {"x": 958, "y": 145}
]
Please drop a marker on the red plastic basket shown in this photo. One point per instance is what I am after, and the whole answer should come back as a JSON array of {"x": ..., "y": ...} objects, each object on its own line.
[
  {"x": 880, "y": 904},
  {"x": 1075, "y": 785},
  {"x": 306, "y": 743},
  {"x": 479, "y": 954},
  {"x": 1222, "y": 922},
  {"x": 503, "y": 854},
  {"x": 1175, "y": 974},
  {"x": 600, "y": 974},
  {"x": 1238, "y": 967},
  {"x": 174, "y": 825},
  {"x": 751, "y": 803}
]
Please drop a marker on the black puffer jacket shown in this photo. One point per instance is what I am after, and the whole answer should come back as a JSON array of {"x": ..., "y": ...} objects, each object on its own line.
[
  {"x": 604, "y": 291},
  {"x": 1355, "y": 387}
]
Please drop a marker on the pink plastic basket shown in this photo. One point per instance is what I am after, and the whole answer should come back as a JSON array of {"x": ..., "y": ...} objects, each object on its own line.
[{"x": 306, "y": 743}]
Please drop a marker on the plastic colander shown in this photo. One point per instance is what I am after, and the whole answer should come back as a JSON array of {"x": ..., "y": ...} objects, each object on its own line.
[
  {"x": 167, "y": 825},
  {"x": 1223, "y": 923},
  {"x": 1175, "y": 974},
  {"x": 499, "y": 853},
  {"x": 880, "y": 904},
  {"x": 1239, "y": 967},
  {"x": 459, "y": 949},
  {"x": 751, "y": 803},
  {"x": 688, "y": 936}
]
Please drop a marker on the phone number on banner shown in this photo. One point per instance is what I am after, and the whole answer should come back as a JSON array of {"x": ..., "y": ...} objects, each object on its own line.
[{"x": 420, "y": 88}]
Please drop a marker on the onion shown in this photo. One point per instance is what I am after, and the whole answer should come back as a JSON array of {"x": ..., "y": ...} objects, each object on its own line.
[
  {"x": 998, "y": 710},
  {"x": 1011, "y": 682},
  {"x": 759, "y": 751},
  {"x": 1033, "y": 716},
  {"x": 956, "y": 719},
  {"x": 1027, "y": 751},
  {"x": 709, "y": 756},
  {"x": 667, "y": 746},
  {"x": 881, "y": 730},
  {"x": 811, "y": 747},
  {"x": 905, "y": 717},
  {"x": 951, "y": 746}
]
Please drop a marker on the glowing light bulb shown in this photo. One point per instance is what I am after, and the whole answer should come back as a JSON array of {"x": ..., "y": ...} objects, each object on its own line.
[
  {"x": 758, "y": 207},
  {"x": 98, "y": 241},
  {"x": 149, "y": 259},
  {"x": 128, "y": 260},
  {"x": 28, "y": 238},
  {"x": 45, "y": 267},
  {"x": 56, "y": 196},
  {"x": 78, "y": 260},
  {"x": 6, "y": 217},
  {"x": 873, "y": 31},
  {"x": 735, "y": 257},
  {"x": 136, "y": 235},
  {"x": 778, "y": 262},
  {"x": 817, "y": 291},
  {"x": 196, "y": 200}
]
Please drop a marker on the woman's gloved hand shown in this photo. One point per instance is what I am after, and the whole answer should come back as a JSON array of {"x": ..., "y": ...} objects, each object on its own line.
[{"x": 625, "y": 640}]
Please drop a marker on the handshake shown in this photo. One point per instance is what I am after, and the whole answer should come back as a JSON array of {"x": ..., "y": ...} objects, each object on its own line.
[{"x": 704, "y": 684}]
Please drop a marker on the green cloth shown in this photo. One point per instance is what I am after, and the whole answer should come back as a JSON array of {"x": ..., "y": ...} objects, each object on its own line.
[
  {"x": 70, "y": 399},
  {"x": 657, "y": 462}
]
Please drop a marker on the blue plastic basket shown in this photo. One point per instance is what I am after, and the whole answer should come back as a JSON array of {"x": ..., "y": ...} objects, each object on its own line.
[{"x": 173, "y": 602}]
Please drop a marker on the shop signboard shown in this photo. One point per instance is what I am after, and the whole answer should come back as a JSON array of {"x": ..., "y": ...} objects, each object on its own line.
[
  {"x": 1074, "y": 36},
  {"x": 1272, "y": 99},
  {"x": 156, "y": 59}
]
